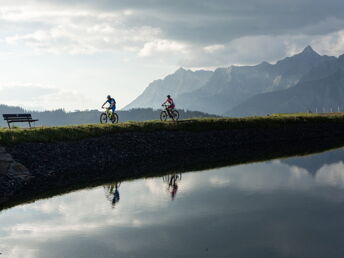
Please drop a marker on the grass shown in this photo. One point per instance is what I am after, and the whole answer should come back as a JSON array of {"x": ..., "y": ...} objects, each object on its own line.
[{"x": 77, "y": 132}]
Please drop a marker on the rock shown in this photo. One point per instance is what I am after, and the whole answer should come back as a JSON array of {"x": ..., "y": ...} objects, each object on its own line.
[
  {"x": 6, "y": 157},
  {"x": 16, "y": 169},
  {"x": 13, "y": 175},
  {"x": 4, "y": 165}
]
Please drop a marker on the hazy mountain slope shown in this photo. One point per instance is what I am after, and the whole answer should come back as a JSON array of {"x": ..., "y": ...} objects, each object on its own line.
[
  {"x": 323, "y": 69},
  {"x": 182, "y": 81},
  {"x": 228, "y": 87},
  {"x": 326, "y": 92}
]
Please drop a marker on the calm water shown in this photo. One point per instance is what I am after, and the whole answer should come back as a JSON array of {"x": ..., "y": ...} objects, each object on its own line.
[{"x": 281, "y": 208}]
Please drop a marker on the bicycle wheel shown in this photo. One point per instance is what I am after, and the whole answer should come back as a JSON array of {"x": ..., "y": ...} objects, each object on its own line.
[
  {"x": 166, "y": 178},
  {"x": 103, "y": 118},
  {"x": 114, "y": 118},
  {"x": 163, "y": 115},
  {"x": 175, "y": 115}
]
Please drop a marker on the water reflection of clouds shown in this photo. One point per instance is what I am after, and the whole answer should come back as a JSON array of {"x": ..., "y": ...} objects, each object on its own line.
[
  {"x": 276, "y": 175},
  {"x": 260, "y": 177},
  {"x": 82, "y": 224},
  {"x": 79, "y": 211},
  {"x": 332, "y": 175}
]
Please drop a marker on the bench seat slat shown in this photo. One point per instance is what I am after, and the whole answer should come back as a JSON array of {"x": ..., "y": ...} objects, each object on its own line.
[
  {"x": 26, "y": 120},
  {"x": 17, "y": 118},
  {"x": 16, "y": 115}
]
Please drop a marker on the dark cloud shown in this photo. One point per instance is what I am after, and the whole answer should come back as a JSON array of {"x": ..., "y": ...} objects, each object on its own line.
[
  {"x": 219, "y": 21},
  {"x": 192, "y": 33}
]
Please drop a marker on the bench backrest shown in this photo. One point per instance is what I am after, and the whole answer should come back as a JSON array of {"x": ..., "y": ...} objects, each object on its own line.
[{"x": 17, "y": 116}]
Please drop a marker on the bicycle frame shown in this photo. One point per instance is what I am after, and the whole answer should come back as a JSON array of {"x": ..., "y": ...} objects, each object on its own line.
[
  {"x": 108, "y": 112},
  {"x": 168, "y": 110},
  {"x": 166, "y": 106}
]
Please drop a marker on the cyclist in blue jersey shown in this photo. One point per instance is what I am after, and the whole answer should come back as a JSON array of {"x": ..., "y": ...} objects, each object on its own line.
[{"x": 112, "y": 103}]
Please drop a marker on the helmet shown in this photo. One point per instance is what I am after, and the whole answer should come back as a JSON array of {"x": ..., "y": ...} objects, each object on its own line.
[
  {"x": 169, "y": 96},
  {"x": 108, "y": 96}
]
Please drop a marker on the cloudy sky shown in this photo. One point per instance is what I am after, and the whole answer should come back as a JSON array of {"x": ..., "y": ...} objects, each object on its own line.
[{"x": 72, "y": 53}]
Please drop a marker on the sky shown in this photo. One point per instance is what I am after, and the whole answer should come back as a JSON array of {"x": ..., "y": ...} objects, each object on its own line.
[{"x": 70, "y": 53}]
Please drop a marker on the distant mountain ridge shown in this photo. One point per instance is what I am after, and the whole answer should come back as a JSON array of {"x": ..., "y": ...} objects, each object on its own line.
[
  {"x": 222, "y": 90},
  {"x": 228, "y": 87},
  {"x": 176, "y": 84},
  {"x": 60, "y": 117},
  {"x": 321, "y": 89}
]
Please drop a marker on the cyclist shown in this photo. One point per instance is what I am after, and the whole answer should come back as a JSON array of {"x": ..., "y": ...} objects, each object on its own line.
[
  {"x": 172, "y": 186},
  {"x": 112, "y": 103},
  {"x": 170, "y": 106},
  {"x": 116, "y": 196}
]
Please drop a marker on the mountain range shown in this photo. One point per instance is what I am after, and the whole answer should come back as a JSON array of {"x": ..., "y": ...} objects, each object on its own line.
[
  {"x": 319, "y": 90},
  {"x": 177, "y": 84},
  {"x": 303, "y": 82}
]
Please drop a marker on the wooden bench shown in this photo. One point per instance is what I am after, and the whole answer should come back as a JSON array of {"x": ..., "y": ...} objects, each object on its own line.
[{"x": 18, "y": 118}]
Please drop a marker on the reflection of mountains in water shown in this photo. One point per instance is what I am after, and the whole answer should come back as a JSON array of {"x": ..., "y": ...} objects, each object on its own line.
[{"x": 313, "y": 163}]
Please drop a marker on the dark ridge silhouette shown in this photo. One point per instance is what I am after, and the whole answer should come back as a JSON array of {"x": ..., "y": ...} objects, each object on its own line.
[{"x": 61, "y": 117}]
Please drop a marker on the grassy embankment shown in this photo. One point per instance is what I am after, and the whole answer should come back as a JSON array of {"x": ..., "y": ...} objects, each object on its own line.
[
  {"x": 244, "y": 154},
  {"x": 77, "y": 132}
]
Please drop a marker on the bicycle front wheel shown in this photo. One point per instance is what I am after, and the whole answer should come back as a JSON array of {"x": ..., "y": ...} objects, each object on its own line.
[
  {"x": 114, "y": 118},
  {"x": 175, "y": 115},
  {"x": 103, "y": 118},
  {"x": 163, "y": 115}
]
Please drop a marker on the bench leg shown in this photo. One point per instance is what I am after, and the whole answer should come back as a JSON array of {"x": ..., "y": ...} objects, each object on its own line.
[{"x": 9, "y": 125}]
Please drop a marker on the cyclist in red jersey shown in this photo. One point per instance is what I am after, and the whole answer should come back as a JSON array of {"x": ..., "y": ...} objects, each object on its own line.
[{"x": 171, "y": 105}]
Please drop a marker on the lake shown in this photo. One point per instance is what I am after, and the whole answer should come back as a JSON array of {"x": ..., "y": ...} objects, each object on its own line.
[{"x": 282, "y": 208}]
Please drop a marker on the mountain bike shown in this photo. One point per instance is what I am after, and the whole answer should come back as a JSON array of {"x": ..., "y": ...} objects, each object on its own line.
[
  {"x": 173, "y": 114},
  {"x": 172, "y": 178},
  {"x": 108, "y": 116}
]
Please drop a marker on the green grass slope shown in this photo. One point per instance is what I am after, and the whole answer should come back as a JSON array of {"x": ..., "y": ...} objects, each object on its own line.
[{"x": 77, "y": 132}]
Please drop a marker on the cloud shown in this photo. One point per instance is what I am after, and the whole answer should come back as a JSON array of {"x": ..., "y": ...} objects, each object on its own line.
[
  {"x": 162, "y": 47},
  {"x": 38, "y": 97},
  {"x": 213, "y": 48},
  {"x": 187, "y": 33},
  {"x": 331, "y": 44},
  {"x": 187, "y": 21},
  {"x": 332, "y": 175},
  {"x": 220, "y": 21},
  {"x": 76, "y": 31},
  {"x": 21, "y": 91}
]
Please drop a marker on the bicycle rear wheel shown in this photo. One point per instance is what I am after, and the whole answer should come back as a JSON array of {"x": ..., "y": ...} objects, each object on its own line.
[
  {"x": 103, "y": 118},
  {"x": 163, "y": 115},
  {"x": 175, "y": 115},
  {"x": 114, "y": 118}
]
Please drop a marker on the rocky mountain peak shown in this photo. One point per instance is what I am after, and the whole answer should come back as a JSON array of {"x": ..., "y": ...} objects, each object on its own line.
[
  {"x": 180, "y": 70},
  {"x": 309, "y": 51}
]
